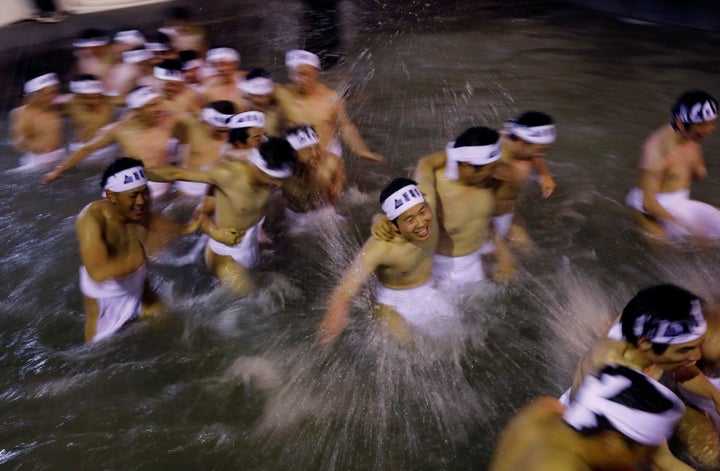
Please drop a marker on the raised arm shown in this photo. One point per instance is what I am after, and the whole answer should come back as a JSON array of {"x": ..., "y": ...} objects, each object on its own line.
[
  {"x": 106, "y": 137},
  {"x": 425, "y": 175},
  {"x": 352, "y": 137},
  {"x": 171, "y": 173}
]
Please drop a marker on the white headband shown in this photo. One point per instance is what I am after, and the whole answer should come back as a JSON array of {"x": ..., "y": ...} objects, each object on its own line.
[
  {"x": 402, "y": 200},
  {"x": 86, "y": 87},
  {"x": 168, "y": 31},
  {"x": 672, "y": 332},
  {"x": 256, "y": 159},
  {"x": 157, "y": 47},
  {"x": 249, "y": 119},
  {"x": 298, "y": 57},
  {"x": 533, "y": 134},
  {"x": 257, "y": 86},
  {"x": 302, "y": 138},
  {"x": 698, "y": 113},
  {"x": 38, "y": 83},
  {"x": 140, "y": 97},
  {"x": 222, "y": 54},
  {"x": 593, "y": 400},
  {"x": 91, "y": 42},
  {"x": 137, "y": 55},
  {"x": 192, "y": 64},
  {"x": 474, "y": 155},
  {"x": 214, "y": 118},
  {"x": 126, "y": 180},
  {"x": 130, "y": 37},
  {"x": 168, "y": 74}
]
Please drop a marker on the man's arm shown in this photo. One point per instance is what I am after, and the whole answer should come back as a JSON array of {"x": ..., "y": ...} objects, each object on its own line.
[
  {"x": 336, "y": 316},
  {"x": 18, "y": 129},
  {"x": 171, "y": 173},
  {"x": 425, "y": 176},
  {"x": 697, "y": 383},
  {"x": 105, "y": 138},
  {"x": 546, "y": 180},
  {"x": 352, "y": 137}
]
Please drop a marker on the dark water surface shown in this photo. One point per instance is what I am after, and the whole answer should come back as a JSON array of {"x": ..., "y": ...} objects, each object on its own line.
[{"x": 226, "y": 383}]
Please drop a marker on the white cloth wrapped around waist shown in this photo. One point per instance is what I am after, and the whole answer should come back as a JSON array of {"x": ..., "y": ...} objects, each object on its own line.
[
  {"x": 246, "y": 252},
  {"x": 458, "y": 272},
  {"x": 30, "y": 160},
  {"x": 334, "y": 146},
  {"x": 692, "y": 217},
  {"x": 423, "y": 307},
  {"x": 158, "y": 189},
  {"x": 703, "y": 403},
  {"x": 119, "y": 299},
  {"x": 192, "y": 188}
]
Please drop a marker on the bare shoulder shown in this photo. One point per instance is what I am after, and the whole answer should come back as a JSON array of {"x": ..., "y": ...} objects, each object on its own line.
[
  {"x": 92, "y": 212},
  {"x": 655, "y": 148}
]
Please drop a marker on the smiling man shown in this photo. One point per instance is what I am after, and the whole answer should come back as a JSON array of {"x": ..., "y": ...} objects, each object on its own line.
[
  {"x": 112, "y": 234},
  {"x": 407, "y": 297}
]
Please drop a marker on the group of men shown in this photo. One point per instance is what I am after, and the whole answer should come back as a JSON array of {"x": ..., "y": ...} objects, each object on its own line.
[{"x": 231, "y": 139}]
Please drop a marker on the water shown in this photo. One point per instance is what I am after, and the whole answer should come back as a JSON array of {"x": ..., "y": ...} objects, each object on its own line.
[{"x": 226, "y": 383}]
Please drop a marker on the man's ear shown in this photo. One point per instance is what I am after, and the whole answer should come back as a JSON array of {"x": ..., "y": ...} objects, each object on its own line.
[
  {"x": 110, "y": 195},
  {"x": 643, "y": 344}
]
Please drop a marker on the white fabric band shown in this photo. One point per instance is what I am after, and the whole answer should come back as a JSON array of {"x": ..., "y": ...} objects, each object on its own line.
[
  {"x": 130, "y": 37},
  {"x": 86, "y": 87},
  {"x": 249, "y": 119},
  {"x": 192, "y": 64},
  {"x": 256, "y": 159},
  {"x": 38, "y": 83},
  {"x": 298, "y": 57},
  {"x": 222, "y": 54},
  {"x": 303, "y": 137},
  {"x": 140, "y": 97},
  {"x": 474, "y": 155},
  {"x": 168, "y": 74},
  {"x": 168, "y": 31},
  {"x": 126, "y": 180},
  {"x": 137, "y": 55},
  {"x": 257, "y": 86},
  {"x": 91, "y": 42},
  {"x": 593, "y": 400},
  {"x": 157, "y": 47},
  {"x": 672, "y": 332},
  {"x": 214, "y": 118},
  {"x": 532, "y": 134},
  {"x": 698, "y": 113},
  {"x": 402, "y": 200}
]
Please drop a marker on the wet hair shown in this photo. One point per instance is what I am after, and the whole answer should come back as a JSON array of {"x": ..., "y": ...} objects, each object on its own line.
[
  {"x": 257, "y": 72},
  {"x": 687, "y": 101},
  {"x": 477, "y": 136},
  {"x": 665, "y": 302},
  {"x": 238, "y": 134},
  {"x": 187, "y": 55},
  {"x": 534, "y": 118},
  {"x": 118, "y": 165},
  {"x": 392, "y": 187},
  {"x": 170, "y": 64},
  {"x": 223, "y": 106},
  {"x": 277, "y": 153}
]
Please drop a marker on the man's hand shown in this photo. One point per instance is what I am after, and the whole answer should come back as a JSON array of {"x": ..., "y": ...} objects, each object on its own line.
[
  {"x": 548, "y": 185},
  {"x": 51, "y": 177},
  {"x": 227, "y": 235},
  {"x": 382, "y": 228},
  {"x": 373, "y": 156}
]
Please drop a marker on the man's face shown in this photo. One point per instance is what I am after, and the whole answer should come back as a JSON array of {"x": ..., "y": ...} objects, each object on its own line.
[
  {"x": 304, "y": 76},
  {"x": 191, "y": 75},
  {"x": 259, "y": 102},
  {"x": 476, "y": 174},
  {"x": 45, "y": 95},
  {"x": 676, "y": 356},
  {"x": 171, "y": 88},
  {"x": 309, "y": 154},
  {"x": 699, "y": 131},
  {"x": 89, "y": 100},
  {"x": 153, "y": 111},
  {"x": 225, "y": 69},
  {"x": 414, "y": 223},
  {"x": 132, "y": 204}
]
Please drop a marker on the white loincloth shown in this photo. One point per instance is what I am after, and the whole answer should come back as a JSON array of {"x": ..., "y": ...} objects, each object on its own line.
[
  {"x": 105, "y": 153},
  {"x": 192, "y": 188},
  {"x": 158, "y": 189},
  {"x": 335, "y": 146},
  {"x": 31, "y": 160},
  {"x": 703, "y": 403},
  {"x": 695, "y": 218},
  {"x": 424, "y": 307},
  {"x": 119, "y": 300},
  {"x": 310, "y": 220},
  {"x": 246, "y": 252},
  {"x": 456, "y": 273},
  {"x": 501, "y": 226}
]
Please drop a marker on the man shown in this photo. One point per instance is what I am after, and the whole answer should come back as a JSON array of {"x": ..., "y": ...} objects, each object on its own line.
[
  {"x": 525, "y": 142},
  {"x": 226, "y": 63},
  {"x": 170, "y": 83},
  {"x": 242, "y": 188},
  {"x": 671, "y": 159},
  {"x": 617, "y": 421},
  {"x": 407, "y": 298},
  {"x": 462, "y": 177},
  {"x": 36, "y": 125},
  {"x": 258, "y": 93},
  {"x": 112, "y": 233},
  {"x": 134, "y": 71},
  {"x": 93, "y": 54},
  {"x": 143, "y": 134},
  {"x": 306, "y": 101},
  {"x": 316, "y": 182},
  {"x": 191, "y": 66}
]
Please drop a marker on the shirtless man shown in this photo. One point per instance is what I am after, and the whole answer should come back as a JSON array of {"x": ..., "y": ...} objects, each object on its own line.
[
  {"x": 525, "y": 142},
  {"x": 242, "y": 188},
  {"x": 93, "y": 54},
  {"x": 316, "y": 182},
  {"x": 226, "y": 62},
  {"x": 36, "y": 125},
  {"x": 170, "y": 83},
  {"x": 191, "y": 66},
  {"x": 671, "y": 159},
  {"x": 90, "y": 111},
  {"x": 617, "y": 421},
  {"x": 258, "y": 93},
  {"x": 661, "y": 331},
  {"x": 306, "y": 101},
  {"x": 143, "y": 134},
  {"x": 112, "y": 233},
  {"x": 407, "y": 297},
  {"x": 135, "y": 70}
]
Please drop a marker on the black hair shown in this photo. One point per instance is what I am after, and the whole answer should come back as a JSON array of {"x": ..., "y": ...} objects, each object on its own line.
[
  {"x": 277, "y": 153},
  {"x": 119, "y": 165},
  {"x": 392, "y": 187},
  {"x": 179, "y": 13},
  {"x": 158, "y": 37},
  {"x": 257, "y": 72},
  {"x": 664, "y": 302},
  {"x": 685, "y": 102},
  {"x": 170, "y": 64},
  {"x": 223, "y": 106},
  {"x": 477, "y": 136},
  {"x": 84, "y": 77},
  {"x": 534, "y": 118},
  {"x": 93, "y": 33},
  {"x": 187, "y": 55},
  {"x": 238, "y": 134}
]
